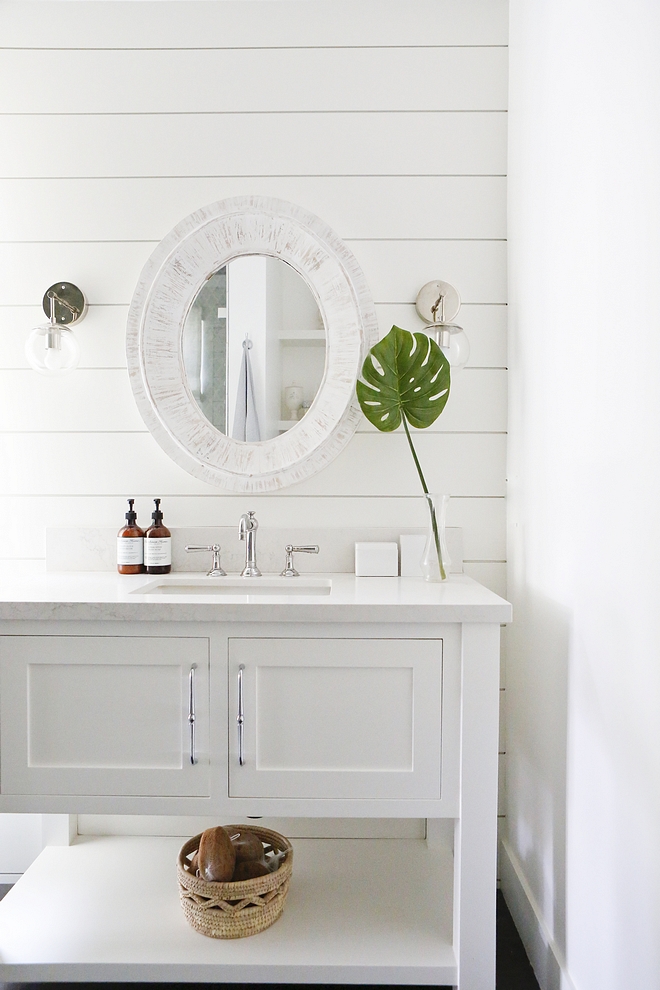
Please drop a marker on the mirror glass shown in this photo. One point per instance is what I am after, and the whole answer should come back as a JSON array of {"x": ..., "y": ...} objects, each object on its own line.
[{"x": 254, "y": 348}]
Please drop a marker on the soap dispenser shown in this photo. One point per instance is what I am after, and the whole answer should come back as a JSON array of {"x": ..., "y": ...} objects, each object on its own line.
[
  {"x": 130, "y": 544},
  {"x": 157, "y": 545}
]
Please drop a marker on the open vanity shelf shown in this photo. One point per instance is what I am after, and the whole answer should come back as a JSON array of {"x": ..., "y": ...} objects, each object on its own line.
[
  {"x": 377, "y": 700},
  {"x": 368, "y": 911}
]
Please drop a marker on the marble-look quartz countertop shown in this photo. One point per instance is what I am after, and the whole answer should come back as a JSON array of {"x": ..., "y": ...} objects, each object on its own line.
[{"x": 103, "y": 595}]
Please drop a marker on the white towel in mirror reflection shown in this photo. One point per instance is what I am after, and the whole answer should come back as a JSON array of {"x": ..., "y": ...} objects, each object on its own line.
[{"x": 246, "y": 421}]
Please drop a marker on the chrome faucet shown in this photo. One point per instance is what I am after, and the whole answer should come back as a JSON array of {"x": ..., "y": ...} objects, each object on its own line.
[{"x": 247, "y": 530}]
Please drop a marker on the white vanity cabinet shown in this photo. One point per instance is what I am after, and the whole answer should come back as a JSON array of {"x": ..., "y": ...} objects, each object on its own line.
[
  {"x": 104, "y": 715},
  {"x": 378, "y": 701},
  {"x": 345, "y": 718}
]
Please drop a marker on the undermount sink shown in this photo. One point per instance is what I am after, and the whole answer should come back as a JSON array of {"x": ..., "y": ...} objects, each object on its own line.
[{"x": 236, "y": 586}]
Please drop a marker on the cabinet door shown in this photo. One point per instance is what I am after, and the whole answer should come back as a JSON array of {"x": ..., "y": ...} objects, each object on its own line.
[
  {"x": 104, "y": 715},
  {"x": 335, "y": 718}
]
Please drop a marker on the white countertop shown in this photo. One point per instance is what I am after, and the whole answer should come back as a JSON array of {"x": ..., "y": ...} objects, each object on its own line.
[{"x": 106, "y": 595}]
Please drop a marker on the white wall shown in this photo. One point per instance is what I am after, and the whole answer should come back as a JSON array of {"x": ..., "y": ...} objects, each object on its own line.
[
  {"x": 582, "y": 864},
  {"x": 386, "y": 118}
]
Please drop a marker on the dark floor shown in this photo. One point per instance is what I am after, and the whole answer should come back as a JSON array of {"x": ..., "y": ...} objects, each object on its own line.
[{"x": 513, "y": 969}]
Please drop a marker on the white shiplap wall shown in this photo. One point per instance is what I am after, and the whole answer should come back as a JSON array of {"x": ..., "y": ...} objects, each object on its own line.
[{"x": 387, "y": 118}]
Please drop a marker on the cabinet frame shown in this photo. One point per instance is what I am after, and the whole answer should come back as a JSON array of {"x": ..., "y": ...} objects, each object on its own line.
[{"x": 471, "y": 661}]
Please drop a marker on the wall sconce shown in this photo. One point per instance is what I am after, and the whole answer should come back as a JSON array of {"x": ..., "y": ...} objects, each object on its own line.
[
  {"x": 438, "y": 304},
  {"x": 52, "y": 348}
]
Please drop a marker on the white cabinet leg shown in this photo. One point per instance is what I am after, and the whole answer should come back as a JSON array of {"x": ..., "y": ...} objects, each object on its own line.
[
  {"x": 475, "y": 838},
  {"x": 58, "y": 830}
]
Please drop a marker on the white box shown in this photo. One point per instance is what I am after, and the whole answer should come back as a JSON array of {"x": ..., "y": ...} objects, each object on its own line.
[
  {"x": 412, "y": 550},
  {"x": 376, "y": 560}
]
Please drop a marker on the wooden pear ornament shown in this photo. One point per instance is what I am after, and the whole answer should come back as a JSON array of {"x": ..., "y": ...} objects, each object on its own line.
[{"x": 216, "y": 857}]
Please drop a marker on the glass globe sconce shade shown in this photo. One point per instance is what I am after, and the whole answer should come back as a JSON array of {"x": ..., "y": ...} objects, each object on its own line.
[
  {"x": 52, "y": 348},
  {"x": 438, "y": 303},
  {"x": 453, "y": 343}
]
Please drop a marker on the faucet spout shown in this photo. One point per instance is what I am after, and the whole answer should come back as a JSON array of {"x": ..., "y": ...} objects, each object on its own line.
[{"x": 247, "y": 531}]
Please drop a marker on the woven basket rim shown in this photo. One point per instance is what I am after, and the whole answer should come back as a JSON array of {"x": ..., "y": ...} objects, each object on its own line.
[{"x": 234, "y": 889}]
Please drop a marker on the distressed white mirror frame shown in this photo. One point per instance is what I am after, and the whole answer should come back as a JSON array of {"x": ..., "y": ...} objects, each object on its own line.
[{"x": 199, "y": 246}]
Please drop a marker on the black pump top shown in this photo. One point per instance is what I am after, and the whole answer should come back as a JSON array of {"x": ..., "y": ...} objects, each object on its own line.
[
  {"x": 131, "y": 516},
  {"x": 157, "y": 516}
]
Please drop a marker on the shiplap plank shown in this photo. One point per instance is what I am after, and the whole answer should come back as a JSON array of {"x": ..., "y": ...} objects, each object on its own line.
[
  {"x": 99, "y": 400},
  {"x": 381, "y": 464},
  {"x": 502, "y": 737},
  {"x": 275, "y": 80},
  {"x": 89, "y": 401},
  {"x": 477, "y": 402},
  {"x": 145, "y": 209},
  {"x": 102, "y": 336},
  {"x": 106, "y": 272},
  {"x": 483, "y": 519},
  {"x": 395, "y": 270},
  {"x": 501, "y": 777},
  {"x": 241, "y": 24},
  {"x": 469, "y": 464},
  {"x": 296, "y": 144},
  {"x": 491, "y": 574},
  {"x": 504, "y": 647}
]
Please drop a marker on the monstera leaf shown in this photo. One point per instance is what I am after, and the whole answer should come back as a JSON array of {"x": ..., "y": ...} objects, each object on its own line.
[
  {"x": 406, "y": 380},
  {"x": 405, "y": 376}
]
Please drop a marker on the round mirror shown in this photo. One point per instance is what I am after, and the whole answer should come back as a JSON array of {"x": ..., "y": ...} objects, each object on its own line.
[
  {"x": 254, "y": 348},
  {"x": 246, "y": 335}
]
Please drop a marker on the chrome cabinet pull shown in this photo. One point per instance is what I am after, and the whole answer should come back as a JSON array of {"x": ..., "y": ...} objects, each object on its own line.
[
  {"x": 240, "y": 717},
  {"x": 191, "y": 712}
]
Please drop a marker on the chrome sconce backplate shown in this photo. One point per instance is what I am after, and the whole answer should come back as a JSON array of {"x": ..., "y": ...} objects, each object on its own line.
[
  {"x": 438, "y": 302},
  {"x": 70, "y": 305}
]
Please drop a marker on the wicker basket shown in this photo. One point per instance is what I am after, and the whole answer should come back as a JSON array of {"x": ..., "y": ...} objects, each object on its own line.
[{"x": 234, "y": 910}]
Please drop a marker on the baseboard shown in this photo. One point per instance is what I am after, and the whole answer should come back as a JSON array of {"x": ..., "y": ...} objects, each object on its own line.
[{"x": 544, "y": 954}]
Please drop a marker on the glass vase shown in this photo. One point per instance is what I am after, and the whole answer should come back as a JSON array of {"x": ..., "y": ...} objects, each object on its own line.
[{"x": 436, "y": 540}]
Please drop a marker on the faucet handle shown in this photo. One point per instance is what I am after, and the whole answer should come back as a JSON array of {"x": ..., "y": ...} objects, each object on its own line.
[
  {"x": 216, "y": 569},
  {"x": 289, "y": 569},
  {"x": 247, "y": 523}
]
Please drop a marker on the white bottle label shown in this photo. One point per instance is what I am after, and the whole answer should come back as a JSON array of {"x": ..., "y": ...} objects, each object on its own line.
[
  {"x": 130, "y": 550},
  {"x": 158, "y": 551}
]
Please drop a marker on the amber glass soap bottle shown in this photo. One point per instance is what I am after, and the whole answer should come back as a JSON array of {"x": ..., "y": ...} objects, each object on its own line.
[
  {"x": 130, "y": 544},
  {"x": 157, "y": 545}
]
